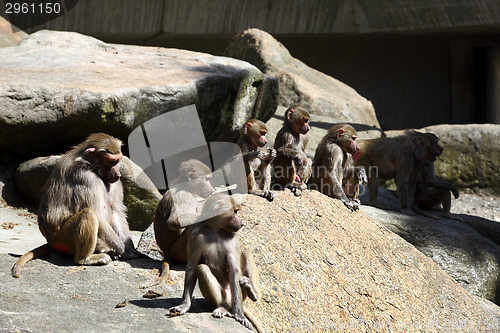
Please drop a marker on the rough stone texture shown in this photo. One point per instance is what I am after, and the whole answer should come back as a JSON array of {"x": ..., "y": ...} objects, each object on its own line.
[
  {"x": 471, "y": 156},
  {"x": 299, "y": 84},
  {"x": 322, "y": 267},
  {"x": 58, "y": 87},
  {"x": 55, "y": 295},
  {"x": 140, "y": 195},
  {"x": 325, "y": 268},
  {"x": 468, "y": 251},
  {"x": 32, "y": 175}
]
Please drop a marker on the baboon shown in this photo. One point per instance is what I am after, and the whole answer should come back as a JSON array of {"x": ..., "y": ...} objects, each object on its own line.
[
  {"x": 179, "y": 208},
  {"x": 353, "y": 179},
  {"x": 257, "y": 161},
  {"x": 225, "y": 273},
  {"x": 399, "y": 157},
  {"x": 292, "y": 167},
  {"x": 431, "y": 192},
  {"x": 81, "y": 211},
  {"x": 333, "y": 164}
]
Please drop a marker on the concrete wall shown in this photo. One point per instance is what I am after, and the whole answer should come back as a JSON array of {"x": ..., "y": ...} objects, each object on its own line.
[
  {"x": 152, "y": 17},
  {"x": 404, "y": 76}
]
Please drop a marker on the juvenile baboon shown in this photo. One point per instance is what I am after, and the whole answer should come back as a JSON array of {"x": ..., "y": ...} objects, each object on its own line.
[
  {"x": 225, "y": 273},
  {"x": 399, "y": 157},
  {"x": 292, "y": 167},
  {"x": 81, "y": 211},
  {"x": 178, "y": 209},
  {"x": 431, "y": 192},
  {"x": 354, "y": 177},
  {"x": 333, "y": 163},
  {"x": 257, "y": 161}
]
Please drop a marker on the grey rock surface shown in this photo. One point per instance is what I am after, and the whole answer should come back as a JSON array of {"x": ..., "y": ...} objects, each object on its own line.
[
  {"x": 58, "y": 87},
  {"x": 468, "y": 251},
  {"x": 10, "y": 35},
  {"x": 313, "y": 254},
  {"x": 471, "y": 157},
  {"x": 55, "y": 295},
  {"x": 323, "y": 267}
]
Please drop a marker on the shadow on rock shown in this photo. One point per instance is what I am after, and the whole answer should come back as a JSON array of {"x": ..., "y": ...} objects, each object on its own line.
[{"x": 198, "y": 305}]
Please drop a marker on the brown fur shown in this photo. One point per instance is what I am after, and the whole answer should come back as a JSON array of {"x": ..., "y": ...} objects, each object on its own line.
[
  {"x": 81, "y": 211},
  {"x": 333, "y": 170},
  {"x": 178, "y": 209},
  {"x": 225, "y": 273},
  {"x": 257, "y": 160},
  {"x": 292, "y": 167},
  {"x": 400, "y": 157},
  {"x": 432, "y": 192}
]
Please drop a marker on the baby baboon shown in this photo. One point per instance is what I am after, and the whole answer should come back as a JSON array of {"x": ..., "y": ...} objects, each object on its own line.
[
  {"x": 292, "y": 167},
  {"x": 257, "y": 161},
  {"x": 431, "y": 192},
  {"x": 353, "y": 178}
]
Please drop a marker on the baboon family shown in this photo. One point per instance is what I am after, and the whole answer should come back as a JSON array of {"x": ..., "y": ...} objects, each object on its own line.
[
  {"x": 341, "y": 164},
  {"x": 82, "y": 212}
]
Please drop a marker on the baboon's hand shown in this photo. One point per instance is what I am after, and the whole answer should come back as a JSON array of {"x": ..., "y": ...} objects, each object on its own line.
[{"x": 272, "y": 154}]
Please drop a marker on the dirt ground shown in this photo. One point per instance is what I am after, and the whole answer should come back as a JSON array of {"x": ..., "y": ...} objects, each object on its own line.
[{"x": 479, "y": 203}]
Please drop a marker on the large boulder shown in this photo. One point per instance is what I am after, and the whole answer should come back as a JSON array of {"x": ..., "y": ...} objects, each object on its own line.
[
  {"x": 300, "y": 84},
  {"x": 140, "y": 195},
  {"x": 323, "y": 267},
  {"x": 58, "y": 87},
  {"x": 468, "y": 251}
]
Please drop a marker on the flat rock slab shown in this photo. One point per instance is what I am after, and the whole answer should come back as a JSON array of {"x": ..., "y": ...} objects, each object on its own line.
[
  {"x": 60, "y": 86},
  {"x": 56, "y": 295}
]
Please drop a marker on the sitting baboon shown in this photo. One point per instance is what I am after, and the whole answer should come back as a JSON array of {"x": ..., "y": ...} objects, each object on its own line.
[
  {"x": 333, "y": 170},
  {"x": 432, "y": 192},
  {"x": 178, "y": 209},
  {"x": 81, "y": 211},
  {"x": 257, "y": 161},
  {"x": 226, "y": 274},
  {"x": 292, "y": 167}
]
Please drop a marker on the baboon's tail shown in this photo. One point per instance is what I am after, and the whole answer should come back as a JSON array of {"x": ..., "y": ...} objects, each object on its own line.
[
  {"x": 40, "y": 251},
  {"x": 255, "y": 322}
]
